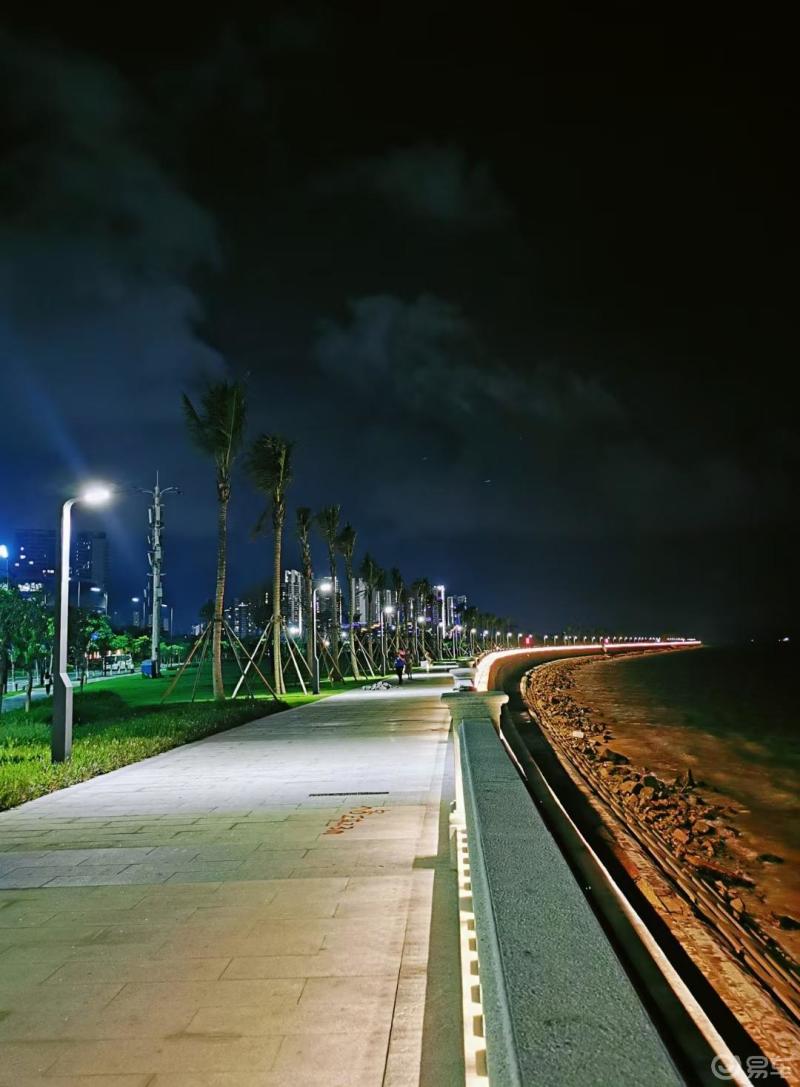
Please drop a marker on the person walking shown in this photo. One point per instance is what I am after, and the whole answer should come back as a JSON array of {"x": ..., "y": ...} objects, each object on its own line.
[
  {"x": 407, "y": 657},
  {"x": 399, "y": 667}
]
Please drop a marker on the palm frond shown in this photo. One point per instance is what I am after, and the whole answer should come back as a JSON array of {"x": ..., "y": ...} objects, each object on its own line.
[
  {"x": 269, "y": 463},
  {"x": 218, "y": 427},
  {"x": 327, "y": 522}
]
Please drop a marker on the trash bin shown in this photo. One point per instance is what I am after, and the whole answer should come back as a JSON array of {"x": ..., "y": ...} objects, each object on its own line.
[{"x": 147, "y": 669}]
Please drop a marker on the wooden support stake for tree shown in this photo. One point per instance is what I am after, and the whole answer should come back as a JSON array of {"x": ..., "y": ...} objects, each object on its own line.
[{"x": 185, "y": 664}]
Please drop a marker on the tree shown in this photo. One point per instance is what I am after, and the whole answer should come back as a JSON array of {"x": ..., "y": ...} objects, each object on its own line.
[
  {"x": 327, "y": 522},
  {"x": 218, "y": 431},
  {"x": 88, "y": 631},
  {"x": 10, "y": 603},
  {"x": 375, "y": 578},
  {"x": 399, "y": 589},
  {"x": 270, "y": 466},
  {"x": 303, "y": 528},
  {"x": 31, "y": 643},
  {"x": 346, "y": 546}
]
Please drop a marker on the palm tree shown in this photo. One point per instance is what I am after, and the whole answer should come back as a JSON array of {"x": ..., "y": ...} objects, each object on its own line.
[
  {"x": 371, "y": 573},
  {"x": 346, "y": 545},
  {"x": 399, "y": 589},
  {"x": 217, "y": 430},
  {"x": 270, "y": 466},
  {"x": 303, "y": 527},
  {"x": 327, "y": 521}
]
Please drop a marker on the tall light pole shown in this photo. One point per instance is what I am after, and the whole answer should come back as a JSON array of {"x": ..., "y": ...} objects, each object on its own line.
[
  {"x": 155, "y": 556},
  {"x": 442, "y": 619},
  {"x": 61, "y": 738},
  {"x": 323, "y": 587}
]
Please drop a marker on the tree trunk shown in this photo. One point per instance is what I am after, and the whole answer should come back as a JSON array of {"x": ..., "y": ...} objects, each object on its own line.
[
  {"x": 219, "y": 600},
  {"x": 28, "y": 690},
  {"x": 280, "y": 687}
]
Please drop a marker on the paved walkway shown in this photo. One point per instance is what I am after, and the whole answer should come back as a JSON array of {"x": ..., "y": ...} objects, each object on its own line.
[{"x": 272, "y": 905}]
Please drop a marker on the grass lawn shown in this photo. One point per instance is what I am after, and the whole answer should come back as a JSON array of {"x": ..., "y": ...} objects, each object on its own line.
[{"x": 116, "y": 722}]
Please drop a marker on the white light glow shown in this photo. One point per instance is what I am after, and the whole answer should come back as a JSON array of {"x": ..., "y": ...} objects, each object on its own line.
[{"x": 97, "y": 494}]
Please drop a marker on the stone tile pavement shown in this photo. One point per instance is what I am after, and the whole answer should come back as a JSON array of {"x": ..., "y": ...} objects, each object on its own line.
[{"x": 252, "y": 909}]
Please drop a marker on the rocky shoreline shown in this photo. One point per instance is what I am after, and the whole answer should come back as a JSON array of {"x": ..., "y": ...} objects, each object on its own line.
[{"x": 685, "y": 826}]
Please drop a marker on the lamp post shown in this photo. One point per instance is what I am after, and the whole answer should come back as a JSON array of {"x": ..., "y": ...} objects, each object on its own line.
[
  {"x": 421, "y": 620},
  {"x": 441, "y": 626},
  {"x": 323, "y": 587},
  {"x": 61, "y": 739}
]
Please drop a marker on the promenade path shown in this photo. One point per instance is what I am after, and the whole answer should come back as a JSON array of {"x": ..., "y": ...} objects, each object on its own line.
[{"x": 272, "y": 905}]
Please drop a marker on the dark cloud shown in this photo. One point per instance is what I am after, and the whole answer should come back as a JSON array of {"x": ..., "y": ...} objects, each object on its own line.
[
  {"x": 429, "y": 181},
  {"x": 98, "y": 244},
  {"x": 429, "y": 360}
]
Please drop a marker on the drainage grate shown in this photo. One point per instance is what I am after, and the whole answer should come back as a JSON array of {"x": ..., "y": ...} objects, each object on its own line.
[{"x": 365, "y": 792}]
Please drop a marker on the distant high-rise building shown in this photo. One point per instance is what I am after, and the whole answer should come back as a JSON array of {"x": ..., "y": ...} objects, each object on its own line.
[
  {"x": 32, "y": 567},
  {"x": 90, "y": 559},
  {"x": 292, "y": 599},
  {"x": 360, "y": 599},
  {"x": 328, "y": 604},
  {"x": 239, "y": 617},
  {"x": 456, "y": 606}
]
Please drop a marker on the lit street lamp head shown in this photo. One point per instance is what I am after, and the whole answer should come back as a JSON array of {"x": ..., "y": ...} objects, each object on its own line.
[{"x": 96, "y": 494}]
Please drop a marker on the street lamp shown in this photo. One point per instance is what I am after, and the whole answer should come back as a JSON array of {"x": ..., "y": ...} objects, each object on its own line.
[
  {"x": 4, "y": 555},
  {"x": 61, "y": 740},
  {"x": 323, "y": 587}
]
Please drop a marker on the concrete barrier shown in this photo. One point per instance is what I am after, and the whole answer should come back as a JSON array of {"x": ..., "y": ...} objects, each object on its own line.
[{"x": 556, "y": 1003}]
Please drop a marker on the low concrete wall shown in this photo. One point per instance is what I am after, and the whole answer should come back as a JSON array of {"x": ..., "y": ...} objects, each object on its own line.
[
  {"x": 488, "y": 673},
  {"x": 557, "y": 1004}
]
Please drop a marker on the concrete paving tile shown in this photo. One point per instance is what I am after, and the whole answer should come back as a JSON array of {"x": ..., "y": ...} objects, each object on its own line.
[
  {"x": 212, "y": 1079},
  {"x": 333, "y": 1060},
  {"x": 154, "y": 915},
  {"x": 347, "y": 992},
  {"x": 183, "y": 1054},
  {"x": 19, "y": 916},
  {"x": 86, "y": 875},
  {"x": 51, "y": 936},
  {"x": 21, "y": 1059},
  {"x": 137, "y": 970},
  {"x": 204, "y": 944},
  {"x": 324, "y": 964},
  {"x": 46, "y": 1013},
  {"x": 275, "y": 1018},
  {"x": 136, "y": 1080},
  {"x": 28, "y": 877},
  {"x": 201, "y": 875}
]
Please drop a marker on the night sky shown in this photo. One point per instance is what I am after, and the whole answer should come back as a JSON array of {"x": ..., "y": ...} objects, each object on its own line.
[{"x": 522, "y": 289}]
